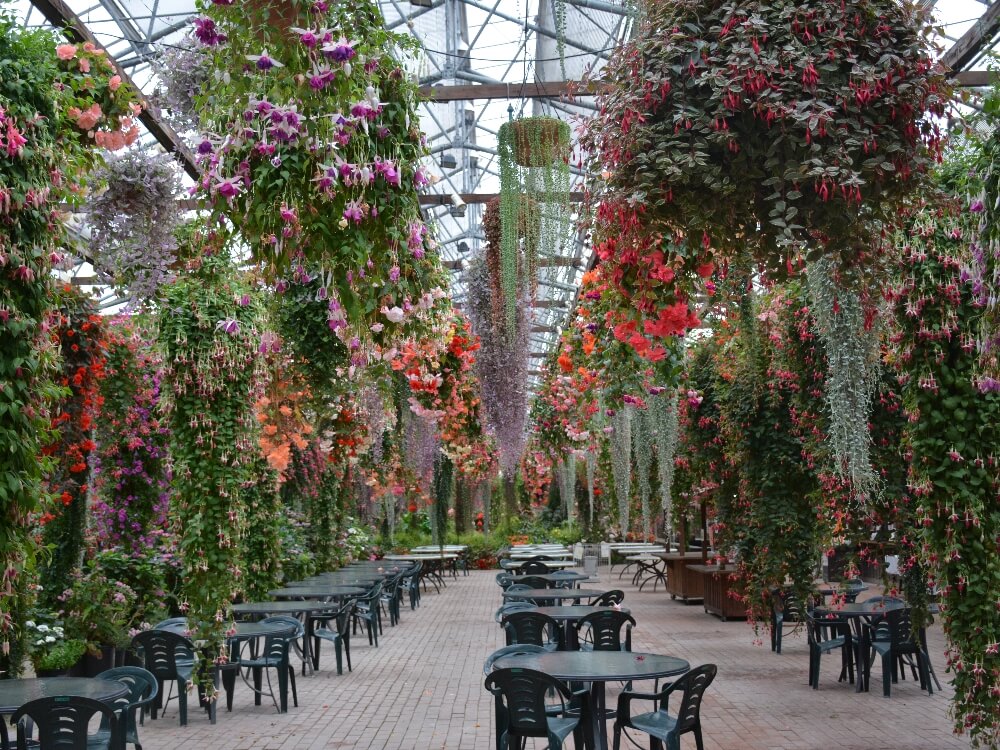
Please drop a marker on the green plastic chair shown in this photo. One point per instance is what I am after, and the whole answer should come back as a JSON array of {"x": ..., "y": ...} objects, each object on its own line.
[
  {"x": 142, "y": 690},
  {"x": 368, "y": 611},
  {"x": 519, "y": 696},
  {"x": 662, "y": 728},
  {"x": 275, "y": 655},
  {"x": 63, "y": 721},
  {"x": 533, "y": 627},
  {"x": 602, "y": 631},
  {"x": 339, "y": 636},
  {"x": 169, "y": 657}
]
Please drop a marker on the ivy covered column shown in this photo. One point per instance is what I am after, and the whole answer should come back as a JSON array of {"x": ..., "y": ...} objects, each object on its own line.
[{"x": 209, "y": 339}]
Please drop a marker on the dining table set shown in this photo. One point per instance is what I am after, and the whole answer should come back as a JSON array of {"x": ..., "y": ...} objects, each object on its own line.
[
  {"x": 562, "y": 626},
  {"x": 261, "y": 641}
]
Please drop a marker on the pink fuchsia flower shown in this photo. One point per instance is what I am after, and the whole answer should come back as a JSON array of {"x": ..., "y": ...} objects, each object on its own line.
[
  {"x": 394, "y": 274},
  {"x": 977, "y": 207},
  {"x": 420, "y": 178},
  {"x": 12, "y": 141},
  {"x": 66, "y": 51}
]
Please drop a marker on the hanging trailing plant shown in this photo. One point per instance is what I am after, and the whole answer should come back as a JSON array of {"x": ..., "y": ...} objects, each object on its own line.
[
  {"x": 184, "y": 71},
  {"x": 209, "y": 339},
  {"x": 853, "y": 355},
  {"x": 621, "y": 464},
  {"x": 323, "y": 515},
  {"x": 665, "y": 427},
  {"x": 320, "y": 163},
  {"x": 534, "y": 201},
  {"x": 134, "y": 220},
  {"x": 262, "y": 553},
  {"x": 78, "y": 332},
  {"x": 591, "y": 473},
  {"x": 131, "y": 477},
  {"x": 501, "y": 366},
  {"x": 444, "y": 485},
  {"x": 567, "y": 484},
  {"x": 950, "y": 437},
  {"x": 43, "y": 153},
  {"x": 642, "y": 441}
]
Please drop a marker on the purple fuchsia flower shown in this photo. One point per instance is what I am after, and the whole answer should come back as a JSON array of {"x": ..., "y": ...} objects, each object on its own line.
[
  {"x": 394, "y": 274},
  {"x": 415, "y": 242},
  {"x": 977, "y": 206},
  {"x": 205, "y": 147},
  {"x": 307, "y": 37},
  {"x": 228, "y": 188},
  {"x": 228, "y": 325},
  {"x": 322, "y": 76},
  {"x": 388, "y": 171},
  {"x": 340, "y": 51},
  {"x": 264, "y": 61},
  {"x": 420, "y": 178},
  {"x": 354, "y": 212},
  {"x": 206, "y": 32}
]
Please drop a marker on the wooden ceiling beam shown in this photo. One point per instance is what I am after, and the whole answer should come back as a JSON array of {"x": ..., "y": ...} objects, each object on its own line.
[{"x": 971, "y": 43}]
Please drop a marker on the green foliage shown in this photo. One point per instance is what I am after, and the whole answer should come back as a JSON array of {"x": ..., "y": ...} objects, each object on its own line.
[
  {"x": 78, "y": 331},
  {"x": 323, "y": 513},
  {"x": 951, "y": 438},
  {"x": 297, "y": 561},
  {"x": 262, "y": 553},
  {"x": 209, "y": 338},
  {"x": 27, "y": 73},
  {"x": 534, "y": 201},
  {"x": 765, "y": 124},
  {"x": 772, "y": 520},
  {"x": 148, "y": 575},
  {"x": 98, "y": 609}
]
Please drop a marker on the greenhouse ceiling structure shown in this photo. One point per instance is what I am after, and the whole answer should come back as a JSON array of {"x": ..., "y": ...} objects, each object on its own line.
[{"x": 482, "y": 62}]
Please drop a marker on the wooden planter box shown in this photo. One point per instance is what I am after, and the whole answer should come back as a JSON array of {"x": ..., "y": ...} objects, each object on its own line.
[
  {"x": 680, "y": 583},
  {"x": 717, "y": 584}
]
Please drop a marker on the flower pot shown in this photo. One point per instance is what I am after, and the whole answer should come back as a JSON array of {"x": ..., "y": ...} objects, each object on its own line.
[
  {"x": 539, "y": 141},
  {"x": 93, "y": 664},
  {"x": 53, "y": 672}
]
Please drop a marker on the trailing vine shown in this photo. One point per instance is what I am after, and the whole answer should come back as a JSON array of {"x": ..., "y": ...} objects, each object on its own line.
[
  {"x": 78, "y": 332},
  {"x": 209, "y": 339},
  {"x": 950, "y": 439},
  {"x": 131, "y": 475},
  {"x": 853, "y": 356}
]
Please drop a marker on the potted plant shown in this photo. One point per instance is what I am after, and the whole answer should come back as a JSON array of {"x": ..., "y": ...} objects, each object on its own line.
[
  {"x": 52, "y": 653},
  {"x": 97, "y": 611},
  {"x": 538, "y": 141}
]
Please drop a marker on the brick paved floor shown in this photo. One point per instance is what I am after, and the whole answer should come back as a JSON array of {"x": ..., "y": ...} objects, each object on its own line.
[{"x": 422, "y": 689}]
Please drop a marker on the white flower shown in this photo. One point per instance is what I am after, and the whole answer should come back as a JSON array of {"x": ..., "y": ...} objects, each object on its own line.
[
  {"x": 50, "y": 639},
  {"x": 393, "y": 314},
  {"x": 29, "y": 624},
  {"x": 43, "y": 628}
]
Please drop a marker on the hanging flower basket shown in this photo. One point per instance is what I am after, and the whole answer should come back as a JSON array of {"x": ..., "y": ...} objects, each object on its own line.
[{"x": 539, "y": 141}]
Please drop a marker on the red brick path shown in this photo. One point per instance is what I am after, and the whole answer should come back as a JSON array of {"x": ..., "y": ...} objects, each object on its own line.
[{"x": 422, "y": 689}]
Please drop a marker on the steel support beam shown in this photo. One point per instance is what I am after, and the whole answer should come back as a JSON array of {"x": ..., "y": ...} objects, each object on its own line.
[
  {"x": 527, "y": 90},
  {"x": 60, "y": 15}
]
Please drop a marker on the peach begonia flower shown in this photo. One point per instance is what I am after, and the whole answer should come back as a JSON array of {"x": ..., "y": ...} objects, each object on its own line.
[
  {"x": 84, "y": 64},
  {"x": 89, "y": 47},
  {"x": 115, "y": 82},
  {"x": 66, "y": 51},
  {"x": 89, "y": 118}
]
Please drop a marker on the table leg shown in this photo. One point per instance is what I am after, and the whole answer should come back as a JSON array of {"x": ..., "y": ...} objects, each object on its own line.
[{"x": 598, "y": 725}]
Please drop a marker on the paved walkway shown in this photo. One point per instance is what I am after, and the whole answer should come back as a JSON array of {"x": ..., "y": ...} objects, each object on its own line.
[{"x": 422, "y": 689}]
